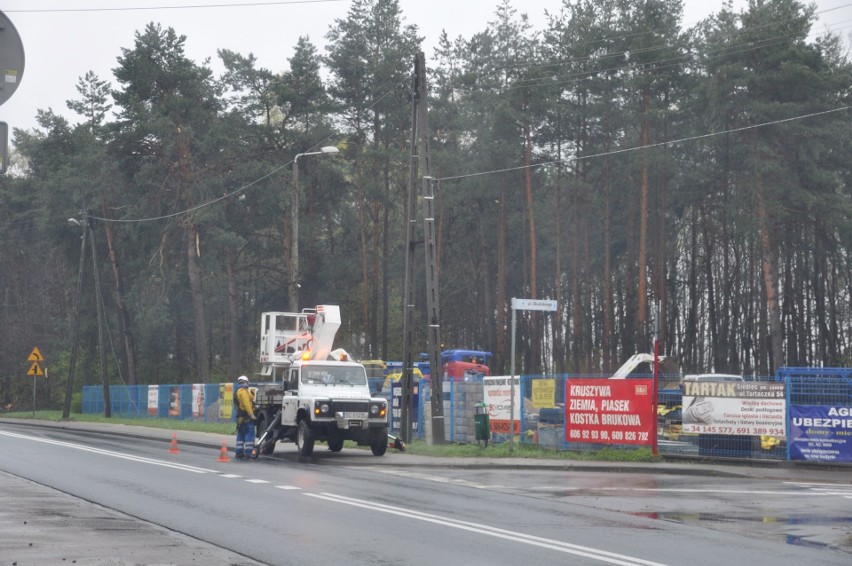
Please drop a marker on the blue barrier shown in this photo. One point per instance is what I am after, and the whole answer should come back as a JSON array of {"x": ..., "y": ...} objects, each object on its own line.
[
  {"x": 182, "y": 401},
  {"x": 817, "y": 415}
]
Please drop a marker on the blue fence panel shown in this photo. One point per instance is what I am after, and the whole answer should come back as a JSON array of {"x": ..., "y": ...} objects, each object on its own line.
[
  {"x": 818, "y": 386},
  {"x": 185, "y": 401},
  {"x": 93, "y": 400},
  {"x": 393, "y": 420},
  {"x": 128, "y": 401},
  {"x": 173, "y": 401},
  {"x": 424, "y": 397},
  {"x": 819, "y": 414}
]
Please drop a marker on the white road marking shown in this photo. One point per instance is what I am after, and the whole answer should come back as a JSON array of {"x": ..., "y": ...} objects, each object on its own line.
[
  {"x": 257, "y": 481},
  {"x": 439, "y": 479},
  {"x": 466, "y": 483},
  {"x": 724, "y": 491},
  {"x": 287, "y": 487},
  {"x": 113, "y": 454},
  {"x": 672, "y": 490},
  {"x": 814, "y": 484},
  {"x": 844, "y": 490},
  {"x": 230, "y": 476},
  {"x": 602, "y": 555}
]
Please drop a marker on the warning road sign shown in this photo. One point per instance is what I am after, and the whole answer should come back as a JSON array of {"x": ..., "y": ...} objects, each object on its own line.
[
  {"x": 35, "y": 356},
  {"x": 35, "y": 369}
]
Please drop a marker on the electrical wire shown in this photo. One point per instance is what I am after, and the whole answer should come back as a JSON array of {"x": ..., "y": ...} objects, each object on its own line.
[
  {"x": 618, "y": 38},
  {"x": 170, "y": 7},
  {"x": 641, "y": 147},
  {"x": 721, "y": 52},
  {"x": 238, "y": 190},
  {"x": 197, "y": 207}
]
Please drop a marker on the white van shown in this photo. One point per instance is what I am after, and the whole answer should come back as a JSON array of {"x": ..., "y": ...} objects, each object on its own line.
[{"x": 713, "y": 377}]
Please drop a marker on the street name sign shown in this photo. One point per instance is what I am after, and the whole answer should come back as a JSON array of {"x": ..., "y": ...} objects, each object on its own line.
[{"x": 533, "y": 305}]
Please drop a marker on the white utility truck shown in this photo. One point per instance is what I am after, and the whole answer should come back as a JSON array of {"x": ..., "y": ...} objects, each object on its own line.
[{"x": 309, "y": 392}]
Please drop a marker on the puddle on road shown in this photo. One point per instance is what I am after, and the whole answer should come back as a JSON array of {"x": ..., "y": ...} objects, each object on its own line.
[{"x": 720, "y": 518}]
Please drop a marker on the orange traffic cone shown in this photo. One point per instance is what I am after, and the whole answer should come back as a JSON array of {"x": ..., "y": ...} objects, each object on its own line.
[
  {"x": 173, "y": 448},
  {"x": 223, "y": 453}
]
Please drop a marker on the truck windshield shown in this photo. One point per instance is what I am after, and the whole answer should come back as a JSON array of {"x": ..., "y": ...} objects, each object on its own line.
[{"x": 328, "y": 375}]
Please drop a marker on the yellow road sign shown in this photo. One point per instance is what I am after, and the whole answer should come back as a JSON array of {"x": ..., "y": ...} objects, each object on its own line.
[
  {"x": 35, "y": 356},
  {"x": 35, "y": 369}
]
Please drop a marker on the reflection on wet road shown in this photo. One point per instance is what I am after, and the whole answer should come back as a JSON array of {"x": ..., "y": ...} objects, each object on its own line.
[{"x": 796, "y": 513}]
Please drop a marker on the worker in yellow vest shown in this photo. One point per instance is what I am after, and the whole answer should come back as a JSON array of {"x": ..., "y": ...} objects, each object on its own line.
[{"x": 244, "y": 403}]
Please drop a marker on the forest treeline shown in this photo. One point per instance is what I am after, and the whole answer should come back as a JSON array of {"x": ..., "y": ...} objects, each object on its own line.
[{"x": 649, "y": 177}]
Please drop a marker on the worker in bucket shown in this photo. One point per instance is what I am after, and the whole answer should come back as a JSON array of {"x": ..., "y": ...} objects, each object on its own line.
[{"x": 244, "y": 404}]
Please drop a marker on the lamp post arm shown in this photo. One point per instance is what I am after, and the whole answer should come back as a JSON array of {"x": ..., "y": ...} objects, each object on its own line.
[{"x": 293, "y": 285}]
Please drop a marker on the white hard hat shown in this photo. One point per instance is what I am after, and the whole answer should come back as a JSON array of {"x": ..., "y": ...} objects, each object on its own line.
[{"x": 242, "y": 379}]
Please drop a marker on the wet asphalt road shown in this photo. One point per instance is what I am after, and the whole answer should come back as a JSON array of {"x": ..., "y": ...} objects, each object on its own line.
[{"x": 39, "y": 525}]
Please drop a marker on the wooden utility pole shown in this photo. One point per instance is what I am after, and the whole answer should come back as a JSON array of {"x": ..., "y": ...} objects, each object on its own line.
[
  {"x": 408, "y": 294},
  {"x": 420, "y": 168},
  {"x": 101, "y": 320}
]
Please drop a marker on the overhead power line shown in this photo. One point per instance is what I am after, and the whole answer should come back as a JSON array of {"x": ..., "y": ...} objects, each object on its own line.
[
  {"x": 674, "y": 61},
  {"x": 617, "y": 38},
  {"x": 197, "y": 207},
  {"x": 481, "y": 173},
  {"x": 171, "y": 7},
  {"x": 237, "y": 190},
  {"x": 641, "y": 147}
]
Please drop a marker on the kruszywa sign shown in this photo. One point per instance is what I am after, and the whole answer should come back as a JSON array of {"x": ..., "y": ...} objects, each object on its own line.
[{"x": 609, "y": 411}]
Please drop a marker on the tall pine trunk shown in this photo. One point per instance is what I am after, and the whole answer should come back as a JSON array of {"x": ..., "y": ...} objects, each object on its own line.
[
  {"x": 234, "y": 361},
  {"x": 642, "y": 264},
  {"x": 193, "y": 266},
  {"x": 535, "y": 344},
  {"x": 769, "y": 259},
  {"x": 121, "y": 304},
  {"x": 608, "y": 345},
  {"x": 199, "y": 319},
  {"x": 500, "y": 354}
]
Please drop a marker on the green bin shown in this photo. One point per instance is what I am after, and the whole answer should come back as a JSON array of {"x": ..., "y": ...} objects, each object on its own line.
[{"x": 483, "y": 425}]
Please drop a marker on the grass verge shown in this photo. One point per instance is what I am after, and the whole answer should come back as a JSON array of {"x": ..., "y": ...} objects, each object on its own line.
[
  {"x": 171, "y": 424},
  {"x": 450, "y": 450},
  {"x": 503, "y": 450}
]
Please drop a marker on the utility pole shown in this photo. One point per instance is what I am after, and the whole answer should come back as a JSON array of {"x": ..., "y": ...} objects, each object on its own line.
[
  {"x": 408, "y": 292},
  {"x": 86, "y": 225},
  {"x": 430, "y": 244},
  {"x": 69, "y": 385},
  {"x": 420, "y": 167},
  {"x": 101, "y": 320}
]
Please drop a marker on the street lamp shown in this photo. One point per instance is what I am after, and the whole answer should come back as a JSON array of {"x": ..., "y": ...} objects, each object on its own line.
[
  {"x": 293, "y": 285},
  {"x": 86, "y": 226}
]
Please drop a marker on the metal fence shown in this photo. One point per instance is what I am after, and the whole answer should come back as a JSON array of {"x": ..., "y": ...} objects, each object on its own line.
[
  {"x": 210, "y": 402},
  {"x": 816, "y": 415}
]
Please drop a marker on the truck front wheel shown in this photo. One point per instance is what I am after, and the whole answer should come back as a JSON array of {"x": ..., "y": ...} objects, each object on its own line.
[
  {"x": 379, "y": 444},
  {"x": 304, "y": 438}
]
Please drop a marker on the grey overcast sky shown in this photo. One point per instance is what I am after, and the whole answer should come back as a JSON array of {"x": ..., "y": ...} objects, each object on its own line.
[{"x": 63, "y": 39}]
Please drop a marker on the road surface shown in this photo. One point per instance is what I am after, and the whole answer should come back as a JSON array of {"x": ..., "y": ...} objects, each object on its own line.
[{"x": 354, "y": 508}]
